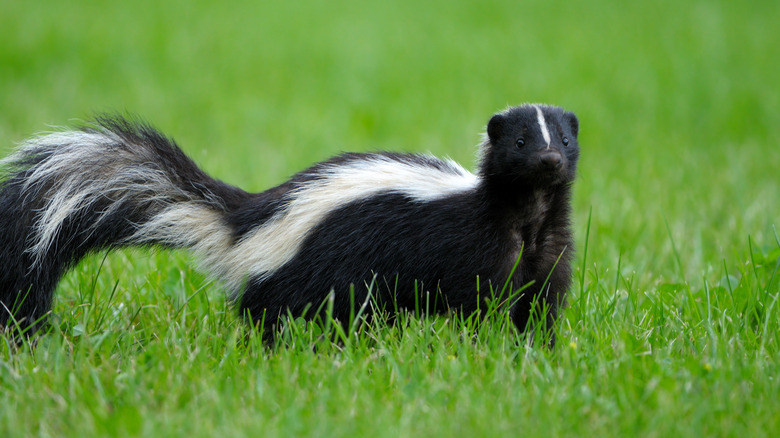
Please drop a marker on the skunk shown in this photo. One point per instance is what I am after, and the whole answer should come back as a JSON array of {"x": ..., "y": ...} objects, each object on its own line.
[{"x": 402, "y": 229}]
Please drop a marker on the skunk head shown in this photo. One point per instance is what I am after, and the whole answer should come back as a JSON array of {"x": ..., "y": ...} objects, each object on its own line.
[{"x": 531, "y": 146}]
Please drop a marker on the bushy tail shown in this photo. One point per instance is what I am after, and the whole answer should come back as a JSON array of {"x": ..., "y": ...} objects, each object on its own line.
[{"x": 113, "y": 184}]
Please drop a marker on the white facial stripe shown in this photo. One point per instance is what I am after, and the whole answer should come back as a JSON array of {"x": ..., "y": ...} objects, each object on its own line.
[{"x": 543, "y": 125}]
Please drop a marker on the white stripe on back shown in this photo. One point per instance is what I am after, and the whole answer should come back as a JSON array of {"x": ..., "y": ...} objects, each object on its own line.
[{"x": 275, "y": 243}]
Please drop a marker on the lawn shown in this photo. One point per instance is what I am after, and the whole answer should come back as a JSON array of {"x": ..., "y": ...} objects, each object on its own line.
[{"x": 673, "y": 319}]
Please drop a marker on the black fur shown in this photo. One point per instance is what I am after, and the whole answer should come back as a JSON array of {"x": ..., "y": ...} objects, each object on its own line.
[
  {"x": 399, "y": 246},
  {"x": 410, "y": 251}
]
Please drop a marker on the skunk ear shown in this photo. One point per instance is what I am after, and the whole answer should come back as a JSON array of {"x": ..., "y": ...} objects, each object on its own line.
[
  {"x": 495, "y": 128},
  {"x": 574, "y": 124}
]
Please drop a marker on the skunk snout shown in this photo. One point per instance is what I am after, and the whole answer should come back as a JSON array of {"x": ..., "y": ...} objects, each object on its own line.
[{"x": 551, "y": 160}]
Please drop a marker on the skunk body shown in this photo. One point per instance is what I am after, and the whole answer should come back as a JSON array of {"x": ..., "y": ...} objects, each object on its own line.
[{"x": 409, "y": 228}]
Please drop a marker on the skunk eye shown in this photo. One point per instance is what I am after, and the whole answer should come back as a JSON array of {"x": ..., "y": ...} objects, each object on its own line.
[
  {"x": 565, "y": 141},
  {"x": 520, "y": 142}
]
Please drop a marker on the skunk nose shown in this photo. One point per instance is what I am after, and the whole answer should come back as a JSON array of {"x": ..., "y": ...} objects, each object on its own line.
[{"x": 551, "y": 160}]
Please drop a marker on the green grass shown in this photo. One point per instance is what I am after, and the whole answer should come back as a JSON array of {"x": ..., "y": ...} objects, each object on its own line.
[{"x": 672, "y": 328}]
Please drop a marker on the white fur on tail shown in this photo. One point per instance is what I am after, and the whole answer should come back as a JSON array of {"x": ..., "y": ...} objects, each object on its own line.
[{"x": 79, "y": 170}]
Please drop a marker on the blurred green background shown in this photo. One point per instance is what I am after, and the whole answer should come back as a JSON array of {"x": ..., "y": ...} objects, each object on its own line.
[{"x": 679, "y": 107}]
